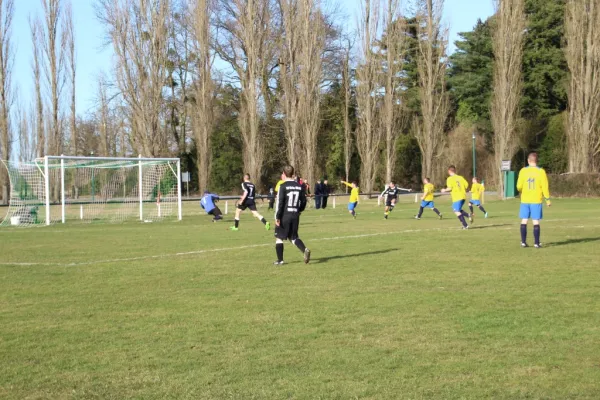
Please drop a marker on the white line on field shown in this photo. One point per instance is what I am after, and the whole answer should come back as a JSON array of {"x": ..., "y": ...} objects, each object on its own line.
[{"x": 251, "y": 246}]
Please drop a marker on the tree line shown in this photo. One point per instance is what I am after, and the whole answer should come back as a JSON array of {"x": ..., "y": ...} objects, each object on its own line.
[{"x": 234, "y": 86}]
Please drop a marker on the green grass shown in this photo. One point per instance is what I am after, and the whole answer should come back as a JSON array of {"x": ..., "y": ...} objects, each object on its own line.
[{"x": 397, "y": 309}]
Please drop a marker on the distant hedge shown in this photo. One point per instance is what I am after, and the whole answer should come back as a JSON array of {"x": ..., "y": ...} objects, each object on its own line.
[{"x": 574, "y": 185}]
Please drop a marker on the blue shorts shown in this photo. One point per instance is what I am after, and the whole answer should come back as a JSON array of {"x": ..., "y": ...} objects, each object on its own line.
[
  {"x": 475, "y": 202},
  {"x": 458, "y": 205},
  {"x": 533, "y": 211},
  {"x": 427, "y": 204},
  {"x": 352, "y": 206}
]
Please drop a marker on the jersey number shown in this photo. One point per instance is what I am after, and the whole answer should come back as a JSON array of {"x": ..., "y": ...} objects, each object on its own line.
[
  {"x": 293, "y": 199},
  {"x": 531, "y": 183}
]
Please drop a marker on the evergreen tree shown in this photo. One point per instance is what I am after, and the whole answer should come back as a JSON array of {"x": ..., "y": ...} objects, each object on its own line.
[
  {"x": 544, "y": 64},
  {"x": 471, "y": 76}
]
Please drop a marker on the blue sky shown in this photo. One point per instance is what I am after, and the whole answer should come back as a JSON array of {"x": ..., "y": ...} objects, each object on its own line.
[{"x": 93, "y": 58}]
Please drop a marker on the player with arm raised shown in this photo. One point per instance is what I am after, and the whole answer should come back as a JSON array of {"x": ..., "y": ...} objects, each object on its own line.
[
  {"x": 291, "y": 202},
  {"x": 390, "y": 195},
  {"x": 248, "y": 201},
  {"x": 457, "y": 186},
  {"x": 354, "y": 197},
  {"x": 533, "y": 186}
]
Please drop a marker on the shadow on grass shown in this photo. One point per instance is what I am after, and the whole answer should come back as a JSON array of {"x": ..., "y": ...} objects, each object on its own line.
[
  {"x": 342, "y": 256},
  {"x": 489, "y": 226},
  {"x": 574, "y": 241}
]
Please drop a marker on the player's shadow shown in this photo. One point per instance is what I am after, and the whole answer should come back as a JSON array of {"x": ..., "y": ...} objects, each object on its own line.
[
  {"x": 340, "y": 257},
  {"x": 489, "y": 226},
  {"x": 574, "y": 241}
]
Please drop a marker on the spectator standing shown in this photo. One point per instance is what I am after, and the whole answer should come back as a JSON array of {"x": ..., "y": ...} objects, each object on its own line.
[
  {"x": 318, "y": 194},
  {"x": 324, "y": 194}
]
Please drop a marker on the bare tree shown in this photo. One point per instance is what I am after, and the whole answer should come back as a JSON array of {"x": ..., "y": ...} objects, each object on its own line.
[
  {"x": 583, "y": 58},
  {"x": 182, "y": 61},
  {"x": 36, "y": 65},
  {"x": 54, "y": 58},
  {"x": 243, "y": 42},
  {"x": 72, "y": 69},
  {"x": 368, "y": 134},
  {"x": 289, "y": 76},
  {"x": 394, "y": 45},
  {"x": 311, "y": 59},
  {"x": 203, "y": 111},
  {"x": 6, "y": 93},
  {"x": 347, "y": 87},
  {"x": 508, "y": 82},
  {"x": 433, "y": 38},
  {"x": 26, "y": 133},
  {"x": 106, "y": 144},
  {"x": 139, "y": 33}
]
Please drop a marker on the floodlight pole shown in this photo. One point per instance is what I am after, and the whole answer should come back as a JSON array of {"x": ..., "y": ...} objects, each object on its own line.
[
  {"x": 474, "y": 157},
  {"x": 62, "y": 189},
  {"x": 47, "y": 189}
]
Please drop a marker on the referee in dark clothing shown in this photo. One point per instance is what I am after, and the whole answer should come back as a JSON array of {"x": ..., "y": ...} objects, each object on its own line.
[{"x": 291, "y": 201}]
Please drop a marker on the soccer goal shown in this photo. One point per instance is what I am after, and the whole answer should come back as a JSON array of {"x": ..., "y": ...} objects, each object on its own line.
[{"x": 60, "y": 189}]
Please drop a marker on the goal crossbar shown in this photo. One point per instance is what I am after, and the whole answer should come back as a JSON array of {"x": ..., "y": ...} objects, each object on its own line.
[{"x": 109, "y": 180}]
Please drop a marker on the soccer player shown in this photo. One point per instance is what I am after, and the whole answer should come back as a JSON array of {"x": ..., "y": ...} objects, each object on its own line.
[
  {"x": 353, "y": 201},
  {"x": 477, "y": 190},
  {"x": 281, "y": 180},
  {"x": 247, "y": 201},
  {"x": 207, "y": 202},
  {"x": 390, "y": 195},
  {"x": 291, "y": 202},
  {"x": 427, "y": 199},
  {"x": 533, "y": 185},
  {"x": 457, "y": 186}
]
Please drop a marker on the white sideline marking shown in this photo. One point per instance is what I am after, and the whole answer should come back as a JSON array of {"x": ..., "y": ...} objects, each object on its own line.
[{"x": 252, "y": 246}]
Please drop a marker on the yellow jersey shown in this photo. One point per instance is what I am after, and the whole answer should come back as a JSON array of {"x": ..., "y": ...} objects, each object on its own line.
[
  {"x": 278, "y": 184},
  {"x": 476, "y": 191},
  {"x": 353, "y": 193},
  {"x": 428, "y": 192},
  {"x": 533, "y": 185},
  {"x": 458, "y": 186}
]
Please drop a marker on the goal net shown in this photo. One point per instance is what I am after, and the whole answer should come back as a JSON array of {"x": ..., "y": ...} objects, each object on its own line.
[{"x": 67, "y": 189}]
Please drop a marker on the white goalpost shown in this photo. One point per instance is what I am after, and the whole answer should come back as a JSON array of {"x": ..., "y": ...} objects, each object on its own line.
[{"x": 58, "y": 189}]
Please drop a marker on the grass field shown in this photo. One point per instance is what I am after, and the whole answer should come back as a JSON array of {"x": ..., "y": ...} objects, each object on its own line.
[{"x": 397, "y": 309}]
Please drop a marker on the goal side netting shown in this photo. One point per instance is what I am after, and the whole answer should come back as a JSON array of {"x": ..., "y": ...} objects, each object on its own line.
[{"x": 61, "y": 189}]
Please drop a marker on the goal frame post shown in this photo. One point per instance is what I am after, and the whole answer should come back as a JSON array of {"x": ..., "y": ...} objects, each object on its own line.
[{"x": 140, "y": 160}]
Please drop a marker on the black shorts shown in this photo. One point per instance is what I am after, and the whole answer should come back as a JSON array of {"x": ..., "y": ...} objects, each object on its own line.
[
  {"x": 288, "y": 230},
  {"x": 247, "y": 204},
  {"x": 390, "y": 202},
  {"x": 215, "y": 212}
]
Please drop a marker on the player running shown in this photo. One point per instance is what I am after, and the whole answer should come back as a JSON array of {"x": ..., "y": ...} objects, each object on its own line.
[
  {"x": 477, "y": 190},
  {"x": 353, "y": 201},
  {"x": 247, "y": 201},
  {"x": 457, "y": 186},
  {"x": 390, "y": 195},
  {"x": 427, "y": 199},
  {"x": 291, "y": 202},
  {"x": 533, "y": 185}
]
